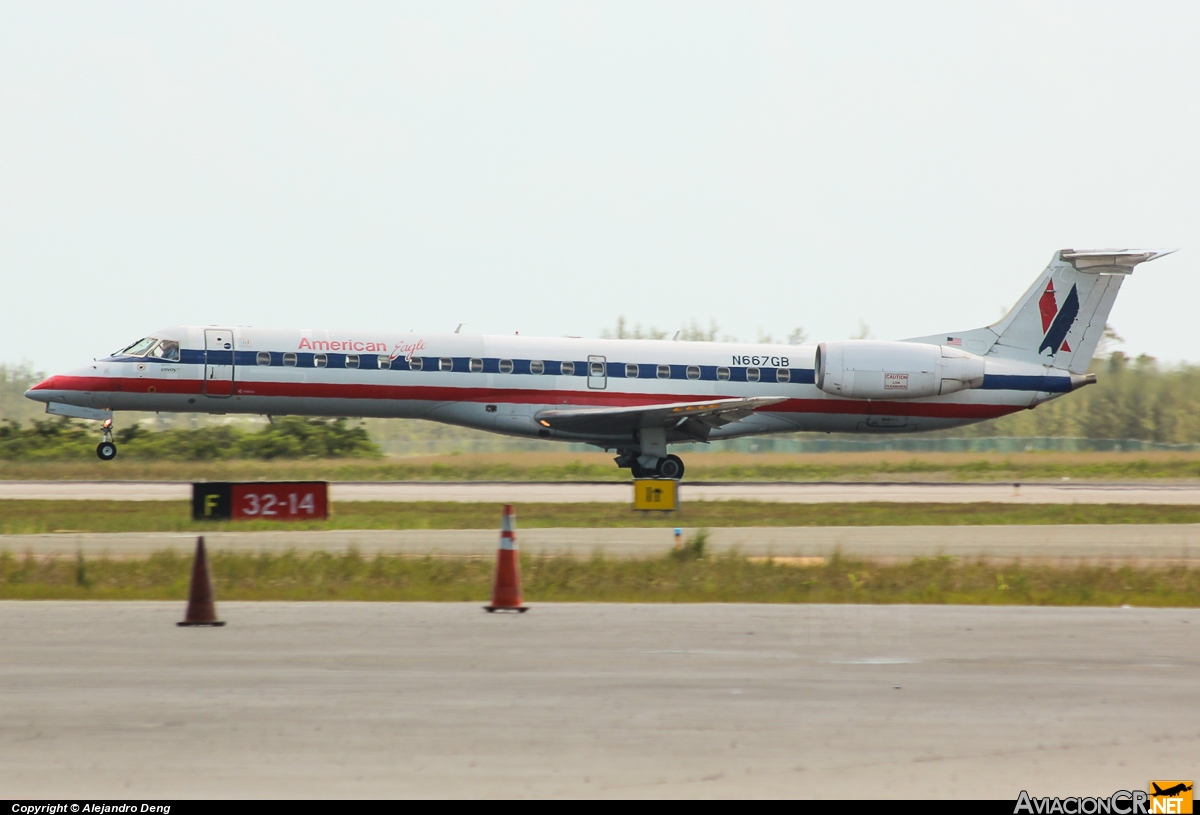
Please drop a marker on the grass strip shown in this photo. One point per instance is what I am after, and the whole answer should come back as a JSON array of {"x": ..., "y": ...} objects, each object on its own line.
[
  {"x": 31, "y": 517},
  {"x": 684, "y": 577},
  {"x": 568, "y": 466}
]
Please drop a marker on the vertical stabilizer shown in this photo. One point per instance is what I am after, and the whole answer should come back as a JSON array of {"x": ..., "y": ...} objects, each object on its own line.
[{"x": 1059, "y": 321}]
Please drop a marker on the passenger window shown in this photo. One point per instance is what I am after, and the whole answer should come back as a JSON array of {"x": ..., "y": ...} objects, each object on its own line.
[
  {"x": 536, "y": 366},
  {"x": 263, "y": 358},
  {"x": 723, "y": 374},
  {"x": 476, "y": 366},
  {"x": 446, "y": 364},
  {"x": 289, "y": 359},
  {"x": 416, "y": 363},
  {"x": 664, "y": 371},
  {"x": 693, "y": 372},
  {"x": 752, "y": 374},
  {"x": 351, "y": 360},
  {"x": 568, "y": 369},
  {"x": 596, "y": 368},
  {"x": 631, "y": 370},
  {"x": 783, "y": 375},
  {"x": 506, "y": 366},
  {"x": 384, "y": 362},
  {"x": 320, "y": 360}
]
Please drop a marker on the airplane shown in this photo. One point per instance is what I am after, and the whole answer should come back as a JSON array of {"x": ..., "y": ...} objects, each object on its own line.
[
  {"x": 1170, "y": 792},
  {"x": 631, "y": 397}
]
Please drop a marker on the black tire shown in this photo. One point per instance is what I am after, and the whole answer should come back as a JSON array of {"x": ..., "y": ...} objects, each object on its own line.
[
  {"x": 671, "y": 467},
  {"x": 636, "y": 470},
  {"x": 106, "y": 451}
]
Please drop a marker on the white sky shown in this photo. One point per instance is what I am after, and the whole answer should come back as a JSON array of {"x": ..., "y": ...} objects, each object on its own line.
[{"x": 548, "y": 167}]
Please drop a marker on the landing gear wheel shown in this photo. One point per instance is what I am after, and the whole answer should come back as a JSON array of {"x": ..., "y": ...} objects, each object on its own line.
[
  {"x": 671, "y": 467},
  {"x": 106, "y": 450},
  {"x": 636, "y": 470}
]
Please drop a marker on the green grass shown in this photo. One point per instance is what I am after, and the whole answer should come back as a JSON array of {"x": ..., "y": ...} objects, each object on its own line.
[
  {"x": 567, "y": 466},
  {"x": 668, "y": 579},
  {"x": 20, "y": 517}
]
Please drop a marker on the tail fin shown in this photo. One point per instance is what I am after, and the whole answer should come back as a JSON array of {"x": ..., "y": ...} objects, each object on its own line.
[{"x": 1059, "y": 321}]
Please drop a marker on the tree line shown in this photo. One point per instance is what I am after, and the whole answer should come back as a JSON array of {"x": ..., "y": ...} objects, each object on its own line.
[
  {"x": 288, "y": 437},
  {"x": 1133, "y": 398}
]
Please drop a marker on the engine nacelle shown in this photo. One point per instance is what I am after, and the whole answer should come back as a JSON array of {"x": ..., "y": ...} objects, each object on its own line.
[{"x": 866, "y": 369}]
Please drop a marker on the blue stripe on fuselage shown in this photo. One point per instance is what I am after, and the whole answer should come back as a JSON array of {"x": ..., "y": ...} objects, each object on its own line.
[
  {"x": 1008, "y": 382},
  {"x": 615, "y": 370},
  {"x": 491, "y": 365}
]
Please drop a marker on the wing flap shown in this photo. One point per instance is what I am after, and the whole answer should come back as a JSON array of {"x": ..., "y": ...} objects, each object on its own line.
[{"x": 691, "y": 418}]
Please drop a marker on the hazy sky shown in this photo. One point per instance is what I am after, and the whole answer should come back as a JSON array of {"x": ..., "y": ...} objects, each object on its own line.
[{"x": 546, "y": 167}]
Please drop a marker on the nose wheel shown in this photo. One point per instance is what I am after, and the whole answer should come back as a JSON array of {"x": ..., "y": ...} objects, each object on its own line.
[{"x": 106, "y": 450}]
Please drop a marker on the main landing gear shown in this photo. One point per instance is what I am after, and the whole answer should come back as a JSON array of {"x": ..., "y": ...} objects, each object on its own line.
[
  {"x": 670, "y": 467},
  {"x": 106, "y": 450}
]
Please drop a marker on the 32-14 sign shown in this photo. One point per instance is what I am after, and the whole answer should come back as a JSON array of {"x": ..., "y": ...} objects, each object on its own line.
[
  {"x": 272, "y": 501},
  {"x": 285, "y": 502}
]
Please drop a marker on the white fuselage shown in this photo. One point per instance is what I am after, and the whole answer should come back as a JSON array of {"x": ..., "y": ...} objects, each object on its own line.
[{"x": 501, "y": 383}]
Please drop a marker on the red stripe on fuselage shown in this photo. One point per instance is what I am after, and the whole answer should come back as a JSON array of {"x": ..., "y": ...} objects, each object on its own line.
[
  {"x": 427, "y": 393},
  {"x": 113, "y": 384}
]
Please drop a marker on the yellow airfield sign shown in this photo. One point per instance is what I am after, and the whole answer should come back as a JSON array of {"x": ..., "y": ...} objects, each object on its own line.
[{"x": 655, "y": 495}]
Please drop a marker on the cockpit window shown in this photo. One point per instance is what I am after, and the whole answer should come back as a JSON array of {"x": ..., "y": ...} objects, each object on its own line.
[
  {"x": 139, "y": 348},
  {"x": 167, "y": 349}
]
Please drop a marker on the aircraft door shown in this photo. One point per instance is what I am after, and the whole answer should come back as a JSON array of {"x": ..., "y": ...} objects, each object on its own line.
[
  {"x": 597, "y": 373},
  {"x": 218, "y": 362}
]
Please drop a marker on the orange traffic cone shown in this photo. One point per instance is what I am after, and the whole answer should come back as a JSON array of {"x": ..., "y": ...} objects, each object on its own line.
[
  {"x": 200, "y": 608},
  {"x": 506, "y": 592}
]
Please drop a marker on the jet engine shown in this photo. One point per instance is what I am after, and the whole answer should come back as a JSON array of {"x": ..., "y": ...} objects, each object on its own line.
[{"x": 866, "y": 369}]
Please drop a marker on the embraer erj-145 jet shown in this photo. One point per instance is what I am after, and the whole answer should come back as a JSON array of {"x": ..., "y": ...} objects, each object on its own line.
[{"x": 634, "y": 397}]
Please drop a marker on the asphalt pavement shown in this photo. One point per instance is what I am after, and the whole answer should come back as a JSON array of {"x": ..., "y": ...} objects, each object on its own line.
[{"x": 113, "y": 701}]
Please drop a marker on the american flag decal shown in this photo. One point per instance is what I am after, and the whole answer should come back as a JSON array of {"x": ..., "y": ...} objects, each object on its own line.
[{"x": 954, "y": 341}]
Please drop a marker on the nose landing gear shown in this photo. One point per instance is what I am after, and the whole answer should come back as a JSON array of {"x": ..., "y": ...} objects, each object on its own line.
[{"x": 106, "y": 450}]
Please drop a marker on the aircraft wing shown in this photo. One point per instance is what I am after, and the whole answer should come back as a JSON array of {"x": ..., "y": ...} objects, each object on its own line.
[{"x": 694, "y": 419}]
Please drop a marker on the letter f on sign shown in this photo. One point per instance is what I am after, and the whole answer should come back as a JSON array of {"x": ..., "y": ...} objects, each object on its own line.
[{"x": 210, "y": 501}]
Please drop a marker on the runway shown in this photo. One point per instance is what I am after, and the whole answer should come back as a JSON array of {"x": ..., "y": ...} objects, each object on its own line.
[
  {"x": 111, "y": 700},
  {"x": 610, "y": 492},
  {"x": 1142, "y": 544}
]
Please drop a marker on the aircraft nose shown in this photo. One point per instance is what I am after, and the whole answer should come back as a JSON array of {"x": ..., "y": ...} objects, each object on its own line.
[{"x": 41, "y": 391}]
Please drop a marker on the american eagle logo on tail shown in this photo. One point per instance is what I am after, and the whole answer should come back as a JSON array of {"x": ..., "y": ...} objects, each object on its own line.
[{"x": 1056, "y": 320}]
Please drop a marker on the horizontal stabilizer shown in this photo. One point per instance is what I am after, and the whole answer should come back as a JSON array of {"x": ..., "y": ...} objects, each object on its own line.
[{"x": 1111, "y": 261}]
